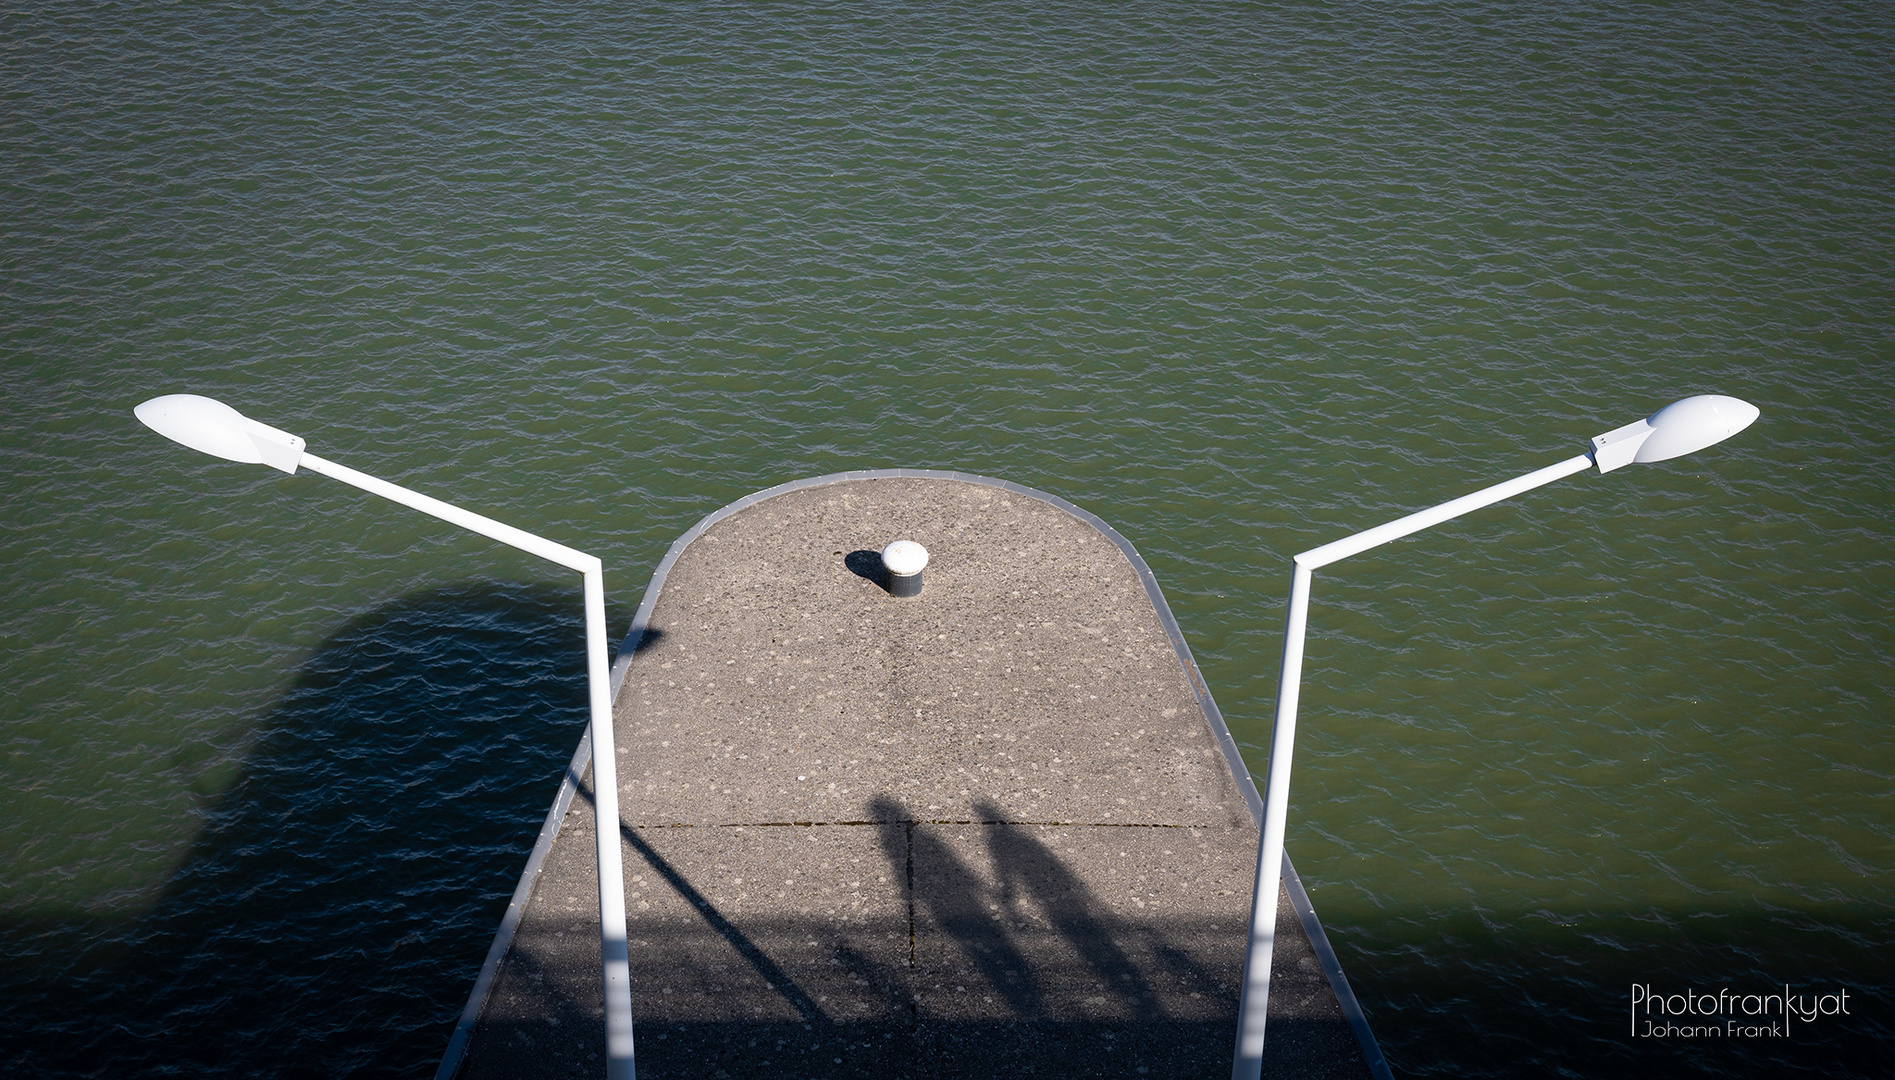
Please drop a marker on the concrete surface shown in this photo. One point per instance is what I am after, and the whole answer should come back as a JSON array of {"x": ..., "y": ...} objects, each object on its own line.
[{"x": 986, "y": 831}]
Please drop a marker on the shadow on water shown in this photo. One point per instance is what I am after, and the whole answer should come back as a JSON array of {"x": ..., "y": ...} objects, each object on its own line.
[{"x": 332, "y": 915}]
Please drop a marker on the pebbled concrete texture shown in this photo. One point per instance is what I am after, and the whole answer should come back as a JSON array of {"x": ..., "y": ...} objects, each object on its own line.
[{"x": 985, "y": 831}]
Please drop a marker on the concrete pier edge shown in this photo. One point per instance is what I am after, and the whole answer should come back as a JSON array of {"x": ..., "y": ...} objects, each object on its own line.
[{"x": 1213, "y": 717}]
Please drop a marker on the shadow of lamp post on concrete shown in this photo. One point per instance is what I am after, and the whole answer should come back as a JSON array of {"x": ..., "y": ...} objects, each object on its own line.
[
  {"x": 214, "y": 428},
  {"x": 1679, "y": 428}
]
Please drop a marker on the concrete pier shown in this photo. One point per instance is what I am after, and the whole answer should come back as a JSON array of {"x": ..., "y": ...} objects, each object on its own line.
[{"x": 997, "y": 829}]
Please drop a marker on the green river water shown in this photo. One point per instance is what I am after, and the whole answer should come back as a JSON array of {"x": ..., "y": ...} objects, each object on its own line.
[{"x": 1240, "y": 279}]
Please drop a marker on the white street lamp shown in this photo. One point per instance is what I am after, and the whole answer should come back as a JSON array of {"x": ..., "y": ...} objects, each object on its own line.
[
  {"x": 221, "y": 431},
  {"x": 1679, "y": 428}
]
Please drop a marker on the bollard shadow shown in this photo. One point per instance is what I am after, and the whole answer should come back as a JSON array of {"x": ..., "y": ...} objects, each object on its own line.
[
  {"x": 868, "y": 566},
  {"x": 339, "y": 900}
]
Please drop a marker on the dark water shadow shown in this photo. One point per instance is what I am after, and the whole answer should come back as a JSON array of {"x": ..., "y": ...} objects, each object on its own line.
[
  {"x": 335, "y": 909},
  {"x": 1577, "y": 978}
]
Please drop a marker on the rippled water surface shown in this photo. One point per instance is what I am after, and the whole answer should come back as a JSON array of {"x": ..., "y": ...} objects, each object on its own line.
[{"x": 1238, "y": 279}]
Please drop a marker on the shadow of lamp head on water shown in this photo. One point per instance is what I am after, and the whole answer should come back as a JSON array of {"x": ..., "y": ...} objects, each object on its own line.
[
  {"x": 1680, "y": 428},
  {"x": 214, "y": 428},
  {"x": 343, "y": 881}
]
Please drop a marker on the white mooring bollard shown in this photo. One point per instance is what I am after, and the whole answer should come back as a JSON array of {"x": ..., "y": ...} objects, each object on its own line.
[{"x": 904, "y": 561}]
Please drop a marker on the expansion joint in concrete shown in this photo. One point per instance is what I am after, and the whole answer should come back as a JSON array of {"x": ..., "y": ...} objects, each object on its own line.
[
  {"x": 909, "y": 888},
  {"x": 1051, "y": 802}
]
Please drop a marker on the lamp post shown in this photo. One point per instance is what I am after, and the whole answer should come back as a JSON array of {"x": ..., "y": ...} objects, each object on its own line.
[
  {"x": 221, "y": 431},
  {"x": 1679, "y": 428}
]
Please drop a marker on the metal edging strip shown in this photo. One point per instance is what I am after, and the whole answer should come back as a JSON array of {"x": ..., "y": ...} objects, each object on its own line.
[
  {"x": 1213, "y": 717},
  {"x": 575, "y": 771},
  {"x": 1326, "y": 956}
]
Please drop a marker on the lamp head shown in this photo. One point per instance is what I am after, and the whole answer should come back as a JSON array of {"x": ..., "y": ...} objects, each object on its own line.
[
  {"x": 1677, "y": 429},
  {"x": 216, "y": 429}
]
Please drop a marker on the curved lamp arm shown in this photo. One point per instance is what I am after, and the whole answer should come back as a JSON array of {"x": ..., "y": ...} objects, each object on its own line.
[
  {"x": 1679, "y": 428},
  {"x": 208, "y": 425}
]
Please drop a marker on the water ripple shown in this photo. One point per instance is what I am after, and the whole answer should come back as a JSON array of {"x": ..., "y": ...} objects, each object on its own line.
[{"x": 1241, "y": 281}]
